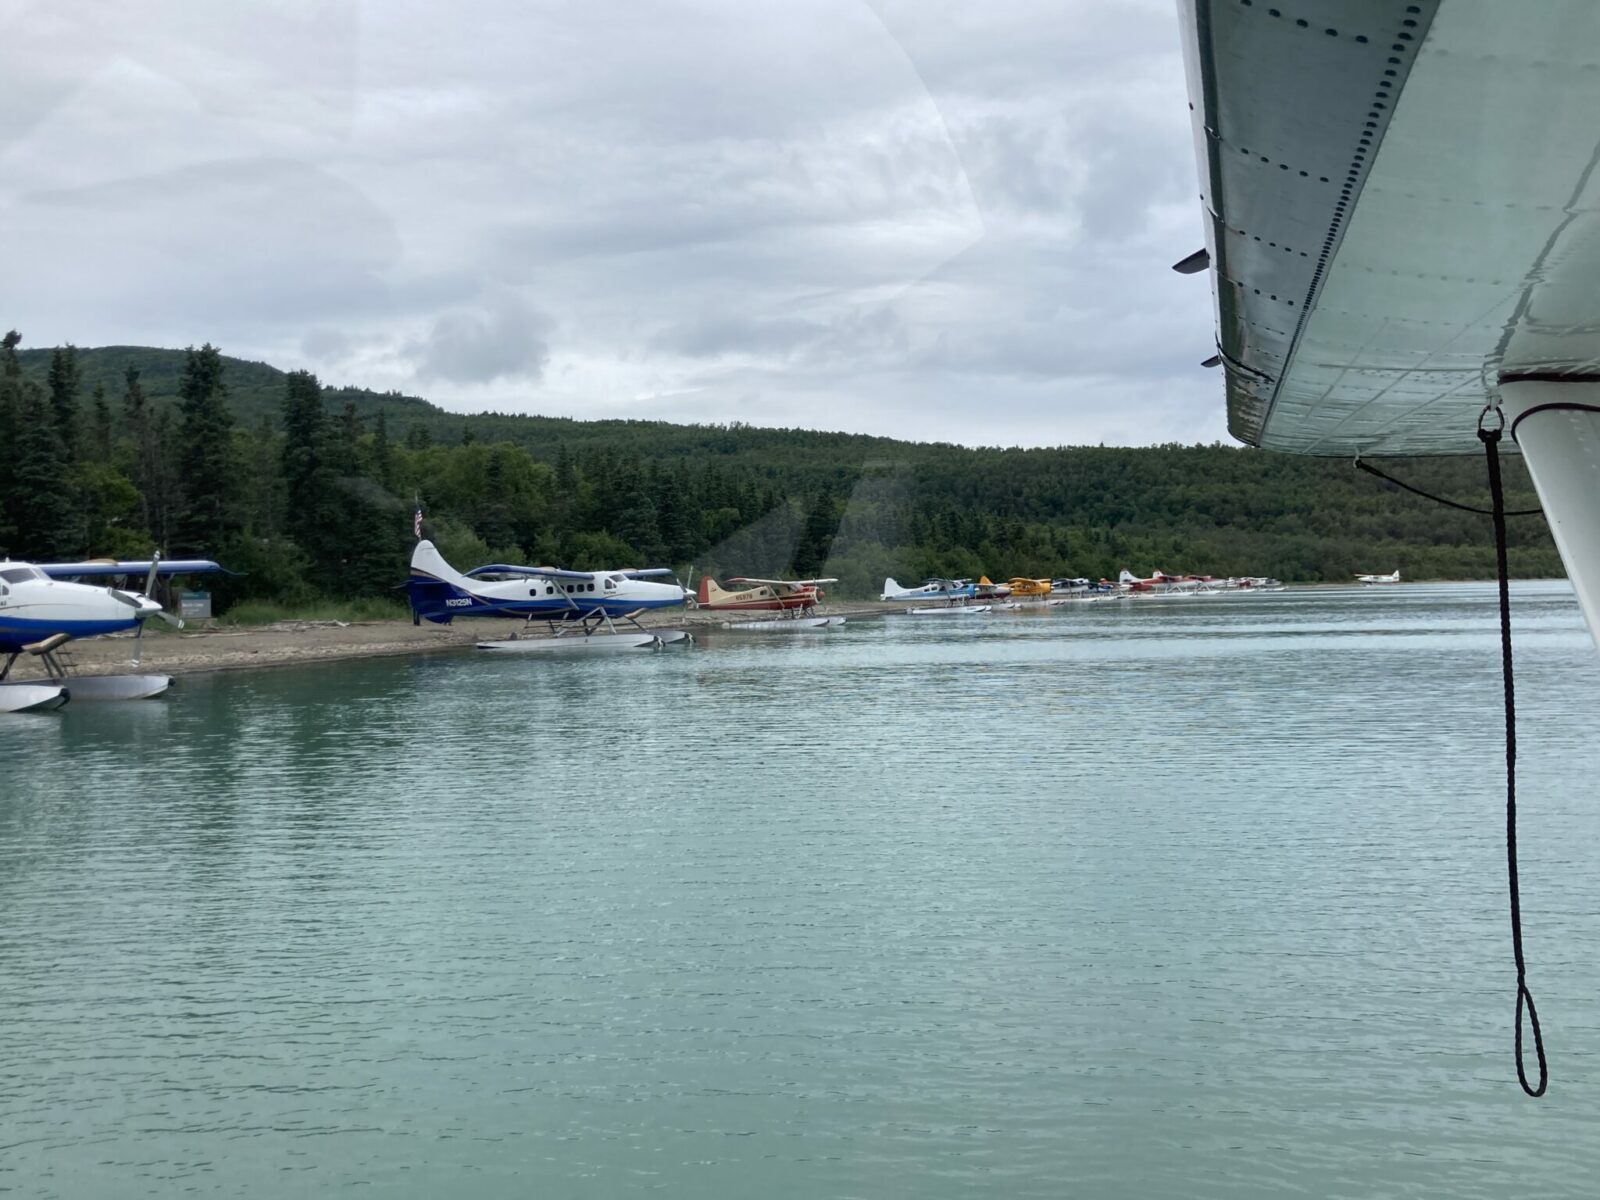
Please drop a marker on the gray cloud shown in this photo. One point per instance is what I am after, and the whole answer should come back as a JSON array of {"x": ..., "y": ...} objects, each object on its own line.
[
  {"x": 915, "y": 217},
  {"x": 506, "y": 337}
]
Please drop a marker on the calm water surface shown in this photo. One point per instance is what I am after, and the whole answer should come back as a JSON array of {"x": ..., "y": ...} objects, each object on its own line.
[{"x": 1189, "y": 898}]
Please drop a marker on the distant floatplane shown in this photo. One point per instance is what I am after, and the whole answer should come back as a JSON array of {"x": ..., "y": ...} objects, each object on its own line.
[
  {"x": 762, "y": 595},
  {"x": 933, "y": 589}
]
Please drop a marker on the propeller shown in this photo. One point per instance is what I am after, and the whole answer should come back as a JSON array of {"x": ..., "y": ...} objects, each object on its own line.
[
  {"x": 689, "y": 599},
  {"x": 149, "y": 586}
]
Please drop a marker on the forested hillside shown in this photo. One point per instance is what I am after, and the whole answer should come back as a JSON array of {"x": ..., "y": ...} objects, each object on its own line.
[{"x": 310, "y": 490}]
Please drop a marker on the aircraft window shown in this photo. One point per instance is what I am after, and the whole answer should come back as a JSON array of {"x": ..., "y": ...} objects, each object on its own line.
[
  {"x": 548, "y": 590},
  {"x": 588, "y": 587},
  {"x": 18, "y": 574}
]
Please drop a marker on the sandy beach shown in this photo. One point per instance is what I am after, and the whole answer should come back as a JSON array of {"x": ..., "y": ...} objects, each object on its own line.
[{"x": 227, "y": 648}]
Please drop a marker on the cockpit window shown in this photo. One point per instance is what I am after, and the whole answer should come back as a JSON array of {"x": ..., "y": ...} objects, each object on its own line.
[{"x": 22, "y": 574}]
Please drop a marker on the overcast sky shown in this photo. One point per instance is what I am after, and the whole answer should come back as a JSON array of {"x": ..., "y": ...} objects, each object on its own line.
[{"x": 933, "y": 220}]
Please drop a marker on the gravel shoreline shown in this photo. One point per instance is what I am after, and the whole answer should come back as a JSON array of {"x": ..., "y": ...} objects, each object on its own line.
[{"x": 289, "y": 643}]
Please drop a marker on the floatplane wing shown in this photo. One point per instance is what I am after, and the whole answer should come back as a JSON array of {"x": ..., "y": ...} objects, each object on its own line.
[
  {"x": 779, "y": 582},
  {"x": 1403, "y": 225},
  {"x": 102, "y": 567}
]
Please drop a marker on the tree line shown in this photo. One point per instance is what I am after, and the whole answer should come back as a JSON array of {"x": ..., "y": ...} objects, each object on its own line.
[{"x": 310, "y": 491}]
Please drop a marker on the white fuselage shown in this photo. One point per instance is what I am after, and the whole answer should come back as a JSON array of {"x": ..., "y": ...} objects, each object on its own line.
[{"x": 33, "y": 607}]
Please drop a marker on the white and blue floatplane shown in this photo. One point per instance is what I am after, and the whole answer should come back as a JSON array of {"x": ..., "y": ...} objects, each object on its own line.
[
  {"x": 952, "y": 590},
  {"x": 41, "y": 611},
  {"x": 581, "y": 607}
]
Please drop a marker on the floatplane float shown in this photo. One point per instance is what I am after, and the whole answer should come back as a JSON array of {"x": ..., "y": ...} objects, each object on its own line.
[
  {"x": 581, "y": 608},
  {"x": 784, "y": 624},
  {"x": 41, "y": 611}
]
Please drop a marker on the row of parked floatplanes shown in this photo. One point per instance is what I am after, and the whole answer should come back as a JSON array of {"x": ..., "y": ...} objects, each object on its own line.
[
  {"x": 43, "y": 606},
  {"x": 582, "y": 608},
  {"x": 959, "y": 596}
]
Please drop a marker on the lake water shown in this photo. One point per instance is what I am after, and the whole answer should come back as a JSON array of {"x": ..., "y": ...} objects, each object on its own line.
[{"x": 1197, "y": 898}]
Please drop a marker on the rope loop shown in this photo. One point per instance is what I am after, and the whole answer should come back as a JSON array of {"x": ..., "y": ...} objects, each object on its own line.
[
  {"x": 1525, "y": 1000},
  {"x": 1491, "y": 446}
]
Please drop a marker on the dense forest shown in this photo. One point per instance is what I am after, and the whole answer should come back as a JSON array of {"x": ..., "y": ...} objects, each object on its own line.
[{"x": 310, "y": 491}]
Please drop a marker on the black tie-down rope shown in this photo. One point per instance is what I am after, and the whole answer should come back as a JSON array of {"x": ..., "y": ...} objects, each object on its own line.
[
  {"x": 1490, "y": 437},
  {"x": 1491, "y": 446},
  {"x": 1416, "y": 491}
]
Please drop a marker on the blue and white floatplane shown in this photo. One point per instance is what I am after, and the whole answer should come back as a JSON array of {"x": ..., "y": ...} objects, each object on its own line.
[
  {"x": 581, "y": 607},
  {"x": 952, "y": 590},
  {"x": 41, "y": 611}
]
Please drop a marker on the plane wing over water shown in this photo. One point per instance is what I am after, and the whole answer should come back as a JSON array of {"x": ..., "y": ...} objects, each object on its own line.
[{"x": 1401, "y": 209}]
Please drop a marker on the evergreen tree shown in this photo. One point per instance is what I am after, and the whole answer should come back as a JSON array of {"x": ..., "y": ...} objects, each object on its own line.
[
  {"x": 816, "y": 537},
  {"x": 313, "y": 518},
  {"x": 350, "y": 428},
  {"x": 102, "y": 430},
  {"x": 493, "y": 523},
  {"x": 679, "y": 534},
  {"x": 48, "y": 521},
  {"x": 10, "y": 412},
  {"x": 139, "y": 420},
  {"x": 382, "y": 453},
  {"x": 205, "y": 454},
  {"x": 262, "y": 483},
  {"x": 63, "y": 379}
]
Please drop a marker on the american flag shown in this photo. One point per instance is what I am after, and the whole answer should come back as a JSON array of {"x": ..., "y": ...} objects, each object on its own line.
[{"x": 416, "y": 523}]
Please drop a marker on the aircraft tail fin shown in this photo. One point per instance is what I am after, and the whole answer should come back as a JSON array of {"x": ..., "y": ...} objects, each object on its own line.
[
  {"x": 709, "y": 591},
  {"x": 436, "y": 589},
  {"x": 890, "y": 587},
  {"x": 1126, "y": 576}
]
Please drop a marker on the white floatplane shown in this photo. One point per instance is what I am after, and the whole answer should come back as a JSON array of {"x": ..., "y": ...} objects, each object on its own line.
[
  {"x": 585, "y": 604},
  {"x": 1393, "y": 577},
  {"x": 932, "y": 589},
  {"x": 41, "y": 611}
]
